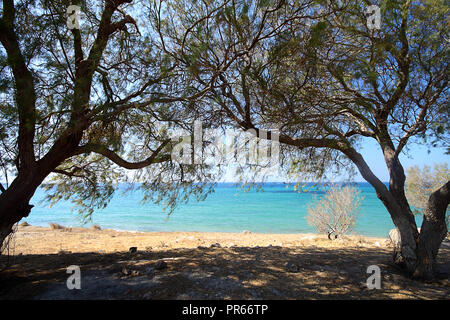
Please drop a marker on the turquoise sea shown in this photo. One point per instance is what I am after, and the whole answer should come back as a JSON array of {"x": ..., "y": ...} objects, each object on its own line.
[{"x": 228, "y": 209}]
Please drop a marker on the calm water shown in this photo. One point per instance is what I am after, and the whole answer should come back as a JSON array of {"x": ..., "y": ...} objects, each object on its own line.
[{"x": 228, "y": 209}]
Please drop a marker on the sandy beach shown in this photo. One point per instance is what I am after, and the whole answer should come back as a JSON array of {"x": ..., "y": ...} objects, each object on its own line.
[
  {"x": 40, "y": 240},
  {"x": 198, "y": 265}
]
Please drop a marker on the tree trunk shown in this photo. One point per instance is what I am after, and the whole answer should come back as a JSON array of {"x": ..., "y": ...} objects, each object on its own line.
[
  {"x": 14, "y": 202},
  {"x": 432, "y": 232},
  {"x": 9, "y": 219},
  {"x": 405, "y": 254},
  {"x": 396, "y": 204}
]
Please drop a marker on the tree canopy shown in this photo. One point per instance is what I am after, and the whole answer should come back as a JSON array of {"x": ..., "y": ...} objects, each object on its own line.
[
  {"x": 81, "y": 105},
  {"x": 328, "y": 79}
]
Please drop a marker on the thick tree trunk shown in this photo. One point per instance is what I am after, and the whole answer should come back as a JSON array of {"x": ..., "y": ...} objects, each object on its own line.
[
  {"x": 394, "y": 200},
  {"x": 10, "y": 218},
  {"x": 11, "y": 215},
  {"x": 405, "y": 254},
  {"x": 432, "y": 232},
  {"x": 14, "y": 202}
]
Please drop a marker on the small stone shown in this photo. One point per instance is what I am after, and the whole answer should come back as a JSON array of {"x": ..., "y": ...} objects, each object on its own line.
[
  {"x": 96, "y": 227},
  {"x": 24, "y": 224},
  {"x": 202, "y": 247},
  {"x": 394, "y": 236},
  {"x": 246, "y": 232},
  {"x": 133, "y": 250},
  {"x": 215, "y": 245},
  {"x": 134, "y": 273},
  {"x": 160, "y": 264},
  {"x": 291, "y": 267}
]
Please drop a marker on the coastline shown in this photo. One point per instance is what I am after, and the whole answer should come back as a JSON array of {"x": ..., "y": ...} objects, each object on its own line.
[{"x": 45, "y": 240}]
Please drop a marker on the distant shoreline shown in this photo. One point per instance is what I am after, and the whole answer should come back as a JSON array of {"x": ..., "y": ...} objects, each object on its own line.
[{"x": 88, "y": 226}]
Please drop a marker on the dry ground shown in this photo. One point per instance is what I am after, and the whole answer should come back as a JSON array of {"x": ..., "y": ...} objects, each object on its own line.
[{"x": 244, "y": 266}]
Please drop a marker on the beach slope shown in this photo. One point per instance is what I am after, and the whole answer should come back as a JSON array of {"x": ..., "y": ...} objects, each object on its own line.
[{"x": 197, "y": 265}]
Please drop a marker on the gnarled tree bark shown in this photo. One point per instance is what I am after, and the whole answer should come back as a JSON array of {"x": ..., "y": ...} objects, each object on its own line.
[{"x": 432, "y": 232}]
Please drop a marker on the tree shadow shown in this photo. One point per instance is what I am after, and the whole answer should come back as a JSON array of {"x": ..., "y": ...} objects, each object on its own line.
[{"x": 219, "y": 273}]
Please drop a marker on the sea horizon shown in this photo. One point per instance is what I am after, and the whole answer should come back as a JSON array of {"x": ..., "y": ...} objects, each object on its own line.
[{"x": 274, "y": 210}]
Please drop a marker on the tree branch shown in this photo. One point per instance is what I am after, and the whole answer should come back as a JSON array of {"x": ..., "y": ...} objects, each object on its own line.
[
  {"x": 114, "y": 157},
  {"x": 403, "y": 60},
  {"x": 70, "y": 174},
  {"x": 25, "y": 93},
  {"x": 417, "y": 127}
]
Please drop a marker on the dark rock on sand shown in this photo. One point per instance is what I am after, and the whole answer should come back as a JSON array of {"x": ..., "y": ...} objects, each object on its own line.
[
  {"x": 160, "y": 265},
  {"x": 291, "y": 267},
  {"x": 133, "y": 250}
]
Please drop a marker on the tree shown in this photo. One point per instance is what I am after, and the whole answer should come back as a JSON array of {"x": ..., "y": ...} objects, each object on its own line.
[
  {"x": 330, "y": 81},
  {"x": 336, "y": 213},
  {"x": 80, "y": 105},
  {"x": 421, "y": 183},
  {"x": 428, "y": 193},
  {"x": 432, "y": 232}
]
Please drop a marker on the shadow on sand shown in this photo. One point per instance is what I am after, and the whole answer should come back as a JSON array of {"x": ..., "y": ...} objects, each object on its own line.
[{"x": 218, "y": 273}]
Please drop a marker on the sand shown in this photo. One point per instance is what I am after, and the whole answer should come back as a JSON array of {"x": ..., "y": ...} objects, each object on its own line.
[
  {"x": 40, "y": 240},
  {"x": 204, "y": 265}
]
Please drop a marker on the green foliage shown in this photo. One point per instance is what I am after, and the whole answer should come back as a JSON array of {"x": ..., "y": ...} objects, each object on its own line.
[
  {"x": 134, "y": 74},
  {"x": 422, "y": 182}
]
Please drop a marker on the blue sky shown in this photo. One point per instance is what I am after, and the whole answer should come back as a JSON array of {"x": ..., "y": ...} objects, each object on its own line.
[{"x": 417, "y": 155}]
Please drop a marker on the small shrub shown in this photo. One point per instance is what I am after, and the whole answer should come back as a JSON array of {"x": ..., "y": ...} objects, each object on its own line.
[{"x": 336, "y": 213}]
